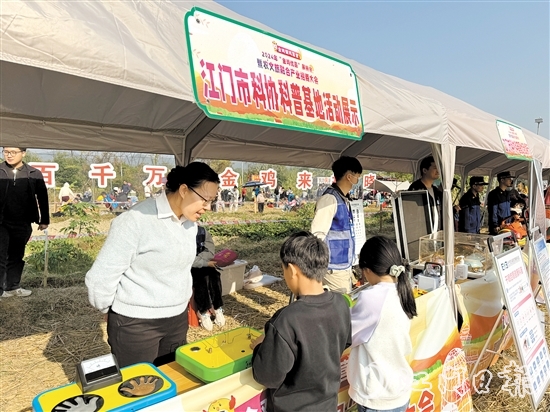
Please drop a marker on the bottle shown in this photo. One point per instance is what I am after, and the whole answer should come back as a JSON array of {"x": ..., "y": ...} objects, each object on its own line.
[{"x": 461, "y": 270}]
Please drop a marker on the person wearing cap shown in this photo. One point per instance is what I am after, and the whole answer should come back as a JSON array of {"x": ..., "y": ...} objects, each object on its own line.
[
  {"x": 498, "y": 202},
  {"x": 469, "y": 216}
]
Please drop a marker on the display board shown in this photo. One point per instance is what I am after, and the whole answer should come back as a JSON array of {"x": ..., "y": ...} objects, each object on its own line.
[
  {"x": 412, "y": 219},
  {"x": 542, "y": 262},
  {"x": 358, "y": 226},
  {"x": 527, "y": 330}
]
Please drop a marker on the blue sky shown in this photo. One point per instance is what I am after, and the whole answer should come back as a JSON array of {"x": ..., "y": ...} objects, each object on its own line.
[{"x": 493, "y": 55}]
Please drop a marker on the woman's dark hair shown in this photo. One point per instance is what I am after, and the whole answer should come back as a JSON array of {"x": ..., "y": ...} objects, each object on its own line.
[
  {"x": 379, "y": 254},
  {"x": 307, "y": 252},
  {"x": 193, "y": 175}
]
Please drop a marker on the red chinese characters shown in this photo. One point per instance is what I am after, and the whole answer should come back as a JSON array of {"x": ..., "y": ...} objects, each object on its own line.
[
  {"x": 228, "y": 178},
  {"x": 102, "y": 172},
  {"x": 269, "y": 177},
  {"x": 48, "y": 171},
  {"x": 304, "y": 180},
  {"x": 155, "y": 175},
  {"x": 426, "y": 402},
  {"x": 223, "y": 83},
  {"x": 368, "y": 180}
]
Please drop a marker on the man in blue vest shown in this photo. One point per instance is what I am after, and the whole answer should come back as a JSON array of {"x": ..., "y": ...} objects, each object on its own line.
[
  {"x": 469, "y": 216},
  {"x": 333, "y": 223}
]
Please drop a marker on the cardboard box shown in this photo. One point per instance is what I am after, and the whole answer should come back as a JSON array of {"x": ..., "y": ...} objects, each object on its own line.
[{"x": 232, "y": 277}]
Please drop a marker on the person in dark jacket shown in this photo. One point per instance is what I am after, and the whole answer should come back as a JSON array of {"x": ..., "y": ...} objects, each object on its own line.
[
  {"x": 498, "y": 203},
  {"x": 23, "y": 200},
  {"x": 469, "y": 216},
  {"x": 207, "y": 284},
  {"x": 430, "y": 173},
  {"x": 298, "y": 357}
]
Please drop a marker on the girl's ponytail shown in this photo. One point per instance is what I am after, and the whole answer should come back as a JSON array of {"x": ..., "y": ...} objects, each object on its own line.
[{"x": 405, "y": 292}]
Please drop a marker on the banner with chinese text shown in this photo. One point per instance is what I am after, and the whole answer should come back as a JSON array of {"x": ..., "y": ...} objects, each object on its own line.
[
  {"x": 241, "y": 73},
  {"x": 480, "y": 303},
  {"x": 513, "y": 141},
  {"x": 440, "y": 373}
]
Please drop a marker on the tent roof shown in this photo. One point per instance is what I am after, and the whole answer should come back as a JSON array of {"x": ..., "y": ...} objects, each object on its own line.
[{"x": 115, "y": 76}]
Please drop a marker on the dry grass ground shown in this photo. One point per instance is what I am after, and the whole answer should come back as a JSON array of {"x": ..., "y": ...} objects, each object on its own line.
[{"x": 44, "y": 336}]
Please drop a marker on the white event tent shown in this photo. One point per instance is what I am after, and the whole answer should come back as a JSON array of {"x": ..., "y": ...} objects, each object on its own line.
[{"x": 114, "y": 76}]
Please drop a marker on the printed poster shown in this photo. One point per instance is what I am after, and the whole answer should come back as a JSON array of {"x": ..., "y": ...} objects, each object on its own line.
[
  {"x": 358, "y": 226},
  {"x": 542, "y": 265},
  {"x": 527, "y": 330},
  {"x": 480, "y": 303},
  {"x": 441, "y": 380}
]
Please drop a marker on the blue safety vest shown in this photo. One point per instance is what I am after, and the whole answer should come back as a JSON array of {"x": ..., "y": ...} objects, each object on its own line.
[{"x": 340, "y": 237}]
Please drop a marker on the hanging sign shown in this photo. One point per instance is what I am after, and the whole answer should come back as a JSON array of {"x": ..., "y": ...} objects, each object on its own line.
[
  {"x": 513, "y": 141},
  {"x": 102, "y": 172},
  {"x": 241, "y": 73},
  {"x": 229, "y": 178},
  {"x": 156, "y": 174},
  {"x": 48, "y": 171},
  {"x": 368, "y": 180},
  {"x": 304, "y": 180},
  {"x": 269, "y": 177},
  {"x": 324, "y": 180}
]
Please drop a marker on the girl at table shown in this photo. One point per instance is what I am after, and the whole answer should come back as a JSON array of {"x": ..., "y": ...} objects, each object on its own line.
[{"x": 379, "y": 375}]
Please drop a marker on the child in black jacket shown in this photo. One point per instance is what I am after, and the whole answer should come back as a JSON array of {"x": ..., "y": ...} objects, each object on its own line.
[
  {"x": 298, "y": 357},
  {"x": 207, "y": 285}
]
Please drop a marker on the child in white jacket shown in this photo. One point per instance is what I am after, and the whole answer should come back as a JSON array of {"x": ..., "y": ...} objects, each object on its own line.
[{"x": 379, "y": 375}]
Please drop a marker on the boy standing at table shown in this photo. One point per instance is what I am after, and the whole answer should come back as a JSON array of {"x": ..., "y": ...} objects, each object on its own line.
[{"x": 298, "y": 357}]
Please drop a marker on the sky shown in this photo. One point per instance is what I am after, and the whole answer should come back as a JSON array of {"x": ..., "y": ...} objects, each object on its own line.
[{"x": 494, "y": 55}]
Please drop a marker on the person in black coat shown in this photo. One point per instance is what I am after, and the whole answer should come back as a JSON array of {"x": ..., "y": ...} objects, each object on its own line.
[
  {"x": 469, "y": 216},
  {"x": 498, "y": 203},
  {"x": 430, "y": 174},
  {"x": 23, "y": 200}
]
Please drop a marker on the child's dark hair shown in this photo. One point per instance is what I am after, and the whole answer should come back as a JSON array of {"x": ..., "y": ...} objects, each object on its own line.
[
  {"x": 346, "y": 164},
  {"x": 379, "y": 254},
  {"x": 426, "y": 163},
  {"x": 307, "y": 252},
  {"x": 193, "y": 175}
]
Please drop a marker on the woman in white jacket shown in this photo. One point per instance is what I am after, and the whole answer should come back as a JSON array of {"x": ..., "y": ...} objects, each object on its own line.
[
  {"x": 379, "y": 375},
  {"x": 66, "y": 195},
  {"x": 142, "y": 275}
]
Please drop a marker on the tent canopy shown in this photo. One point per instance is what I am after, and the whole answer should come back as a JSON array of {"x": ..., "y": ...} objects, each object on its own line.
[{"x": 114, "y": 76}]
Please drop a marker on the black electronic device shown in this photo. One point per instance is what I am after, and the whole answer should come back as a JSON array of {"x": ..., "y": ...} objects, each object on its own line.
[{"x": 97, "y": 373}]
